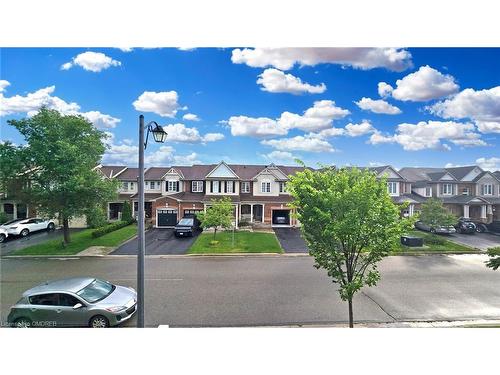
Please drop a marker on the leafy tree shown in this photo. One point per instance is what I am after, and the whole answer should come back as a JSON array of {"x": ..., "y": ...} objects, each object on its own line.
[
  {"x": 127, "y": 212},
  {"x": 96, "y": 217},
  {"x": 494, "y": 261},
  {"x": 435, "y": 215},
  {"x": 218, "y": 214},
  {"x": 59, "y": 158},
  {"x": 349, "y": 223},
  {"x": 3, "y": 217}
]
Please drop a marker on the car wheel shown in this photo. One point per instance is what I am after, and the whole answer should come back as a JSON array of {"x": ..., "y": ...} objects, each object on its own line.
[
  {"x": 480, "y": 228},
  {"x": 24, "y": 232},
  {"x": 2, "y": 237},
  {"x": 51, "y": 226},
  {"x": 99, "y": 321},
  {"x": 22, "y": 323}
]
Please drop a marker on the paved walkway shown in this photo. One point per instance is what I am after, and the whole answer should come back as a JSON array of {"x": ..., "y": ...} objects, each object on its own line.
[{"x": 291, "y": 240}]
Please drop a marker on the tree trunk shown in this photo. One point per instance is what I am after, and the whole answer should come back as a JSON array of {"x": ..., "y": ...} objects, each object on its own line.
[
  {"x": 215, "y": 232},
  {"x": 351, "y": 318},
  {"x": 67, "y": 239}
]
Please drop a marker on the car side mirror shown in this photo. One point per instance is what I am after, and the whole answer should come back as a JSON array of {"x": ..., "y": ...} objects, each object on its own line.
[{"x": 77, "y": 306}]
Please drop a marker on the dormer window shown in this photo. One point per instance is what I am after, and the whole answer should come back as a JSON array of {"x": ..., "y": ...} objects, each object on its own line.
[
  {"x": 265, "y": 187},
  {"x": 172, "y": 186}
]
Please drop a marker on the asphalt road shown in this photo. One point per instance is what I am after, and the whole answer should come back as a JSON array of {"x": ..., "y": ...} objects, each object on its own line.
[
  {"x": 277, "y": 290},
  {"x": 16, "y": 243},
  {"x": 158, "y": 242}
]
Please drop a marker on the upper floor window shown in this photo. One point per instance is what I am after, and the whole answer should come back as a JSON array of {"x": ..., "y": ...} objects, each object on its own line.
[
  {"x": 465, "y": 191},
  {"x": 282, "y": 187},
  {"x": 447, "y": 189},
  {"x": 245, "y": 187},
  {"x": 428, "y": 191},
  {"x": 151, "y": 184},
  {"x": 125, "y": 186},
  {"x": 197, "y": 186},
  {"x": 172, "y": 185},
  {"x": 392, "y": 188},
  {"x": 265, "y": 187},
  {"x": 229, "y": 186},
  {"x": 215, "y": 187},
  {"x": 487, "y": 189}
]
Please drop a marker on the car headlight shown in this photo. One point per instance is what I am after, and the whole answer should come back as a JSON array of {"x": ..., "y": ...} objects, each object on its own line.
[{"x": 115, "y": 308}]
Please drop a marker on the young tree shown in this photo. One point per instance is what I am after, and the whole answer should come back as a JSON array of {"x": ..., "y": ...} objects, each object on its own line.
[
  {"x": 494, "y": 261},
  {"x": 61, "y": 152},
  {"x": 349, "y": 223},
  {"x": 219, "y": 214},
  {"x": 435, "y": 215},
  {"x": 127, "y": 212}
]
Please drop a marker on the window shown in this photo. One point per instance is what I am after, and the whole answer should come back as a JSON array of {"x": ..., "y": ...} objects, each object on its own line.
[
  {"x": 172, "y": 185},
  {"x": 151, "y": 185},
  {"x": 197, "y": 186},
  {"x": 282, "y": 187},
  {"x": 265, "y": 187},
  {"x": 132, "y": 186},
  {"x": 215, "y": 187},
  {"x": 158, "y": 184},
  {"x": 447, "y": 189},
  {"x": 67, "y": 300},
  {"x": 392, "y": 188},
  {"x": 50, "y": 299},
  {"x": 96, "y": 291},
  {"x": 465, "y": 191},
  {"x": 488, "y": 189},
  {"x": 428, "y": 191},
  {"x": 229, "y": 186},
  {"x": 125, "y": 186},
  {"x": 245, "y": 187}
]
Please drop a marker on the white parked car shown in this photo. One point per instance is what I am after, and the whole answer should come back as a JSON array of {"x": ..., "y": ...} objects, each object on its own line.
[
  {"x": 27, "y": 226},
  {"x": 3, "y": 234}
]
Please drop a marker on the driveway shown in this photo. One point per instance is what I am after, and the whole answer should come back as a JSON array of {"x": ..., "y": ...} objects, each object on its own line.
[
  {"x": 158, "y": 242},
  {"x": 290, "y": 240},
  {"x": 16, "y": 243},
  {"x": 482, "y": 241}
]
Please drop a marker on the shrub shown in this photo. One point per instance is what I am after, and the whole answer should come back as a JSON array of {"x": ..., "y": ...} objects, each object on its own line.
[
  {"x": 244, "y": 223},
  {"x": 127, "y": 212},
  {"x": 3, "y": 217},
  {"x": 96, "y": 217},
  {"x": 109, "y": 228}
]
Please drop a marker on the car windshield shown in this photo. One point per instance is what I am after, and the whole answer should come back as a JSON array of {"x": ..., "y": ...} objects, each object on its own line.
[
  {"x": 186, "y": 222},
  {"x": 96, "y": 291},
  {"x": 12, "y": 222}
]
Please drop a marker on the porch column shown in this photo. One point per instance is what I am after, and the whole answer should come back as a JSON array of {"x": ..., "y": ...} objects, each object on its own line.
[
  {"x": 411, "y": 207},
  {"x": 466, "y": 211},
  {"x": 489, "y": 211},
  {"x": 263, "y": 206},
  {"x": 483, "y": 211},
  {"x": 251, "y": 213},
  {"x": 14, "y": 212}
]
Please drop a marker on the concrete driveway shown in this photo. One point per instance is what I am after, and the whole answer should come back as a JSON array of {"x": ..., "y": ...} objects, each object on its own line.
[
  {"x": 158, "y": 242},
  {"x": 482, "y": 241},
  {"x": 14, "y": 243},
  {"x": 290, "y": 240}
]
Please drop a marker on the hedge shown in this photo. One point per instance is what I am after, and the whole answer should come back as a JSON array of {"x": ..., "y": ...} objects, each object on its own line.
[{"x": 110, "y": 228}]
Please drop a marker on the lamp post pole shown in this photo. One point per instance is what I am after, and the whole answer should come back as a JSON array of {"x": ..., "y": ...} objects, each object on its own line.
[{"x": 140, "y": 229}]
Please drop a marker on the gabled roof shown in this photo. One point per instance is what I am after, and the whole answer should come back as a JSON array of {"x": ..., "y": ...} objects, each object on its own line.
[
  {"x": 155, "y": 173},
  {"x": 461, "y": 172},
  {"x": 129, "y": 174},
  {"x": 438, "y": 176},
  {"x": 497, "y": 174},
  {"x": 420, "y": 174},
  {"x": 484, "y": 173},
  {"x": 111, "y": 170},
  {"x": 222, "y": 170}
]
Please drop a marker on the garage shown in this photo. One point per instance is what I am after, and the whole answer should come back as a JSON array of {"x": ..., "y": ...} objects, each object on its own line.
[
  {"x": 166, "y": 217},
  {"x": 281, "y": 217}
]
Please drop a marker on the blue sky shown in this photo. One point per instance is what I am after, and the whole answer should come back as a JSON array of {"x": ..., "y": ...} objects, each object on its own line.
[{"x": 440, "y": 106}]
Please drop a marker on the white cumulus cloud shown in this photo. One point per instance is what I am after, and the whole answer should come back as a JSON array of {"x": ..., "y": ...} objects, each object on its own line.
[
  {"x": 280, "y": 156},
  {"x": 91, "y": 61},
  {"x": 489, "y": 164},
  {"x": 482, "y": 106},
  {"x": 259, "y": 127},
  {"x": 423, "y": 85},
  {"x": 384, "y": 89},
  {"x": 164, "y": 103},
  {"x": 357, "y": 130},
  {"x": 274, "y": 80},
  {"x": 394, "y": 59},
  {"x": 300, "y": 143},
  {"x": 190, "y": 117},
  {"x": 378, "y": 106},
  {"x": 3, "y": 84},
  {"x": 182, "y": 134}
]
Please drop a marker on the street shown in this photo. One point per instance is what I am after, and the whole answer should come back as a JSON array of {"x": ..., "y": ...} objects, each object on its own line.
[{"x": 276, "y": 290}]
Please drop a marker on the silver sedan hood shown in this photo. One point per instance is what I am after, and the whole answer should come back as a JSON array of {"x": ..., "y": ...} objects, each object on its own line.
[{"x": 121, "y": 296}]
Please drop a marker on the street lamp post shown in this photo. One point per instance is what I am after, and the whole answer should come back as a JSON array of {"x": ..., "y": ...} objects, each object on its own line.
[{"x": 159, "y": 135}]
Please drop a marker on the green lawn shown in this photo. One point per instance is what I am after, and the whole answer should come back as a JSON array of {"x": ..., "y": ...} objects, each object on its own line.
[
  {"x": 434, "y": 243},
  {"x": 79, "y": 242},
  {"x": 244, "y": 242}
]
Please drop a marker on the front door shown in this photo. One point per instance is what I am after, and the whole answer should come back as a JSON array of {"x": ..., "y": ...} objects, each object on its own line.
[{"x": 257, "y": 212}]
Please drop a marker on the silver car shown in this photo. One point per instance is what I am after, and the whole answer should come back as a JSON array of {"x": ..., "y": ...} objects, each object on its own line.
[
  {"x": 79, "y": 301},
  {"x": 437, "y": 229}
]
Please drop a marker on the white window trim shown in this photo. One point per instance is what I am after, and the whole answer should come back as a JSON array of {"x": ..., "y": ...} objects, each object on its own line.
[
  {"x": 444, "y": 189},
  {"x": 229, "y": 186},
  {"x": 197, "y": 186},
  {"x": 430, "y": 191},
  {"x": 173, "y": 182},
  {"x": 485, "y": 189},
  {"x": 215, "y": 187},
  {"x": 266, "y": 184},
  {"x": 245, "y": 187},
  {"x": 282, "y": 187},
  {"x": 391, "y": 191}
]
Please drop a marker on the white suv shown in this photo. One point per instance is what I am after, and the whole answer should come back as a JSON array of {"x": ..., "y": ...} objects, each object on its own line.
[{"x": 27, "y": 226}]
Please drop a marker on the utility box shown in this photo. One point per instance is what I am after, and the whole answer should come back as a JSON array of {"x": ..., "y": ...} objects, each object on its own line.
[{"x": 412, "y": 241}]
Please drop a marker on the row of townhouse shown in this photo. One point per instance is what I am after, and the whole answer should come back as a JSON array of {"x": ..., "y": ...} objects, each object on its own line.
[{"x": 259, "y": 193}]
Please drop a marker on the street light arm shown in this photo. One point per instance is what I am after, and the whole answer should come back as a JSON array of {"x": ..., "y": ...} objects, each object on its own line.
[{"x": 149, "y": 128}]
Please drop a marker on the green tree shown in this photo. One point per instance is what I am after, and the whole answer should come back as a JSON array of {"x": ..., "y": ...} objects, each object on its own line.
[
  {"x": 349, "y": 223},
  {"x": 96, "y": 216},
  {"x": 60, "y": 156},
  {"x": 127, "y": 212},
  {"x": 218, "y": 214},
  {"x": 435, "y": 215},
  {"x": 494, "y": 261}
]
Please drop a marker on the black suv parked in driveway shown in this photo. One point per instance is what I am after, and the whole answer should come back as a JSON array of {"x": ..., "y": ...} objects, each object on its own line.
[
  {"x": 493, "y": 227},
  {"x": 465, "y": 225},
  {"x": 187, "y": 226}
]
